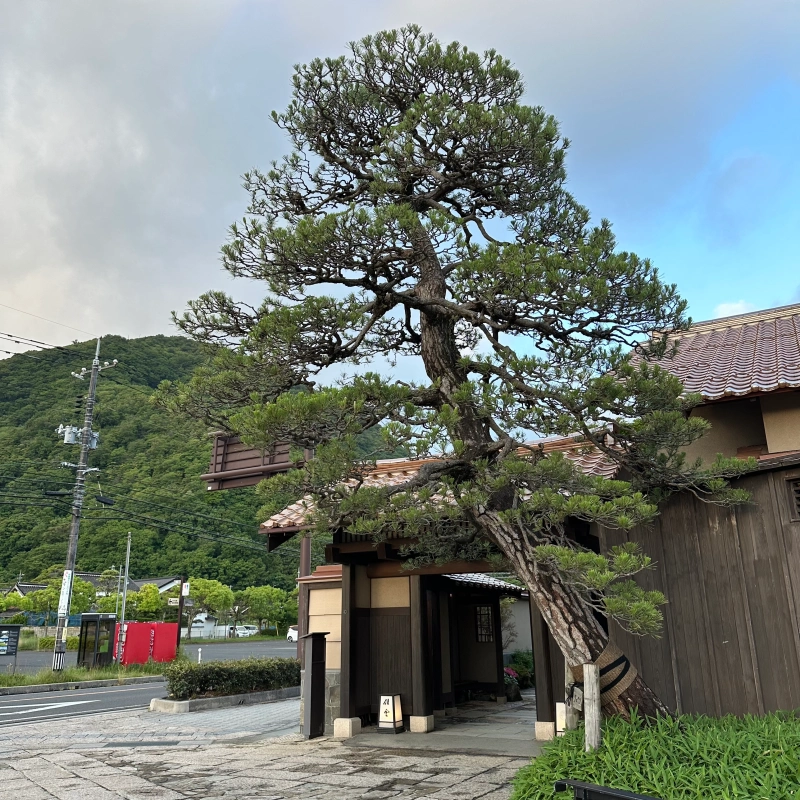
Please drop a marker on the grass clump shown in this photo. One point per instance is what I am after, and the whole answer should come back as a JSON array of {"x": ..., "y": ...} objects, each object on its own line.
[
  {"x": 76, "y": 674},
  {"x": 732, "y": 758}
]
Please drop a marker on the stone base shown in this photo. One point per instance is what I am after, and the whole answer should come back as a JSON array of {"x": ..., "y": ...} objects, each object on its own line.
[
  {"x": 501, "y": 698},
  {"x": 332, "y": 694},
  {"x": 420, "y": 724},
  {"x": 346, "y": 727},
  {"x": 164, "y": 706},
  {"x": 545, "y": 731}
]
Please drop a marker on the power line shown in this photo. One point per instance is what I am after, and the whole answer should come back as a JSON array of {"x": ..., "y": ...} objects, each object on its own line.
[
  {"x": 35, "y": 480},
  {"x": 127, "y": 385},
  {"x": 29, "y": 505},
  {"x": 135, "y": 516},
  {"x": 30, "y": 314},
  {"x": 221, "y": 536},
  {"x": 141, "y": 519},
  {"x": 192, "y": 513},
  {"x": 24, "y": 355},
  {"x": 40, "y": 346}
]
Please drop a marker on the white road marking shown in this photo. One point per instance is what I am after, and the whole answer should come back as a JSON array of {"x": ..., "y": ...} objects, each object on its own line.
[{"x": 33, "y": 708}]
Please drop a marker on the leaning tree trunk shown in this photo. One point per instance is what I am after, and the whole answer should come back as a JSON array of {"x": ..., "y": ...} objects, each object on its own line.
[{"x": 570, "y": 620}]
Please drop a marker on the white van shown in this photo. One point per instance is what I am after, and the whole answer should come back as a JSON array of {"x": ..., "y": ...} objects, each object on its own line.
[{"x": 246, "y": 630}]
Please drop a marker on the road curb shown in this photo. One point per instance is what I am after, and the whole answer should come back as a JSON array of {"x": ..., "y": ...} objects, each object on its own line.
[
  {"x": 61, "y": 687},
  {"x": 228, "y": 701}
]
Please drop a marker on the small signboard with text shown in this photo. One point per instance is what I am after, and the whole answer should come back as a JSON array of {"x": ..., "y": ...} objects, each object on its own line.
[{"x": 9, "y": 639}]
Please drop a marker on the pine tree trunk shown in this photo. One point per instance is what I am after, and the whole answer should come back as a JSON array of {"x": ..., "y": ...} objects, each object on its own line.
[{"x": 570, "y": 620}]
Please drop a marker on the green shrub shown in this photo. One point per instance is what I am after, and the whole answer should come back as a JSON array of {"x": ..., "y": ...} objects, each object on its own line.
[
  {"x": 186, "y": 680},
  {"x": 16, "y": 619},
  {"x": 49, "y": 642},
  {"x": 522, "y": 663},
  {"x": 747, "y": 758}
]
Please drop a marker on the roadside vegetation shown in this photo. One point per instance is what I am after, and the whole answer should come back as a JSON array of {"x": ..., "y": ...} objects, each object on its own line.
[
  {"x": 677, "y": 759},
  {"x": 186, "y": 680},
  {"x": 76, "y": 674}
]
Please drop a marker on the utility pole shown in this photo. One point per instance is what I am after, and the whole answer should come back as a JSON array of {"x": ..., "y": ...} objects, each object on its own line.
[
  {"x": 88, "y": 441},
  {"x": 121, "y": 634}
]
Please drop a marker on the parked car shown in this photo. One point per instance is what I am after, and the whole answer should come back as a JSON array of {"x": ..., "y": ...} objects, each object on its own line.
[
  {"x": 292, "y": 633},
  {"x": 246, "y": 630}
]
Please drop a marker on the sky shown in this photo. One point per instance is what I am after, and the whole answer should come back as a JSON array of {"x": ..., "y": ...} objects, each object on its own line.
[{"x": 125, "y": 128}]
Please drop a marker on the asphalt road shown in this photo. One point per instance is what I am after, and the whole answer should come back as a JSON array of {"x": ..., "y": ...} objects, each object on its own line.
[
  {"x": 29, "y": 662},
  {"x": 20, "y": 709}
]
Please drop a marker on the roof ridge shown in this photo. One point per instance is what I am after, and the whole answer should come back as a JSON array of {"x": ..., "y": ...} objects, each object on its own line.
[{"x": 737, "y": 320}]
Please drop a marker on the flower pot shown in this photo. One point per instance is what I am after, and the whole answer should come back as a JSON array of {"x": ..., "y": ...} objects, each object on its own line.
[{"x": 513, "y": 694}]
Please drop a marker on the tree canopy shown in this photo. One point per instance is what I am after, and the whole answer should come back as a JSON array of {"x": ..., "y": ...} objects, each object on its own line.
[
  {"x": 150, "y": 464},
  {"x": 426, "y": 268}
]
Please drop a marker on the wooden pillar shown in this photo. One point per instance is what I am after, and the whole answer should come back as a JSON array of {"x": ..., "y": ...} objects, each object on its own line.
[
  {"x": 421, "y": 703},
  {"x": 302, "y": 598},
  {"x": 349, "y": 644},
  {"x": 592, "y": 710},
  {"x": 498, "y": 639},
  {"x": 434, "y": 649},
  {"x": 542, "y": 666}
]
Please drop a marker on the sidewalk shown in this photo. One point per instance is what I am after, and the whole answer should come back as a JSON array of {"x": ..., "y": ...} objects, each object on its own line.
[
  {"x": 476, "y": 727},
  {"x": 235, "y": 754}
]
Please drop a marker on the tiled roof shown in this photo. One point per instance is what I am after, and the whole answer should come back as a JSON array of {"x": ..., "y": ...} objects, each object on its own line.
[
  {"x": 394, "y": 472},
  {"x": 741, "y": 355},
  {"x": 23, "y": 588},
  {"x": 483, "y": 581}
]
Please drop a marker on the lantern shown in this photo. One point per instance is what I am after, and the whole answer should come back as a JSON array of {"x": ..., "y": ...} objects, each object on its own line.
[{"x": 390, "y": 714}]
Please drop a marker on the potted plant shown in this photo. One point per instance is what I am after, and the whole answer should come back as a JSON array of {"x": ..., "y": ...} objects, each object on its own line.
[{"x": 512, "y": 685}]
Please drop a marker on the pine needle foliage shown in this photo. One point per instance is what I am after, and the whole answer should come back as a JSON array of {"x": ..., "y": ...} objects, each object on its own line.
[{"x": 422, "y": 216}]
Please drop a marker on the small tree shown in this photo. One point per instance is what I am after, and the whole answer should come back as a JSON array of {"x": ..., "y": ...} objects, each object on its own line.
[
  {"x": 267, "y": 604},
  {"x": 210, "y": 596},
  {"x": 423, "y": 214},
  {"x": 148, "y": 603},
  {"x": 239, "y": 608},
  {"x": 45, "y": 601},
  {"x": 108, "y": 582},
  {"x": 508, "y": 627}
]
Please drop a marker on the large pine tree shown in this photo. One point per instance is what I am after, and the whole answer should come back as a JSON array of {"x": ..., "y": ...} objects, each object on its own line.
[{"x": 423, "y": 215}]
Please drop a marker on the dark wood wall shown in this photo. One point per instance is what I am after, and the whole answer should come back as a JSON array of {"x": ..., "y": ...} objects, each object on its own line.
[{"x": 731, "y": 639}]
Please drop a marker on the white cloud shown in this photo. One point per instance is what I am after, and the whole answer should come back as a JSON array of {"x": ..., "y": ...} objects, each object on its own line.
[
  {"x": 124, "y": 127},
  {"x": 732, "y": 309}
]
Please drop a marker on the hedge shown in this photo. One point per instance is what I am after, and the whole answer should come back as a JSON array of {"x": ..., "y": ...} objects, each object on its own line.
[
  {"x": 732, "y": 758},
  {"x": 49, "y": 642},
  {"x": 187, "y": 680}
]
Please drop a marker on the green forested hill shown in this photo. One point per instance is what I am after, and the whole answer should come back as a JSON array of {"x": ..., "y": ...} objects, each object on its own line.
[{"x": 149, "y": 461}]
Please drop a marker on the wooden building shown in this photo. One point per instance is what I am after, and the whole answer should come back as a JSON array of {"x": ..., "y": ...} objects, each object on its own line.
[{"x": 731, "y": 640}]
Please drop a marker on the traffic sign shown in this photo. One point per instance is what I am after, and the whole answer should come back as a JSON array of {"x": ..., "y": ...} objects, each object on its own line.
[{"x": 173, "y": 601}]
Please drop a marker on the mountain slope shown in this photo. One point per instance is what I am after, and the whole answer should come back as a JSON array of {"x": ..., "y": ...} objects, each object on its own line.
[{"x": 149, "y": 464}]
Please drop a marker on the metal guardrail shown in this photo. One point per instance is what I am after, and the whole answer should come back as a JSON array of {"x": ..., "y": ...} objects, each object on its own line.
[{"x": 590, "y": 791}]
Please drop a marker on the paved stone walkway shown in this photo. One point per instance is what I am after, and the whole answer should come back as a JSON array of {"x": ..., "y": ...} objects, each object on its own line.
[{"x": 230, "y": 754}]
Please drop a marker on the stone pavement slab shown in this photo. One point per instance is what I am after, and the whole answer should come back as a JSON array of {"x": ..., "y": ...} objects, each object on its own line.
[{"x": 231, "y": 754}]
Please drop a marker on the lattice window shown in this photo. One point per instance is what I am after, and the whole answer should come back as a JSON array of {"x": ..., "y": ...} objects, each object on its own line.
[
  {"x": 484, "y": 629},
  {"x": 794, "y": 498}
]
